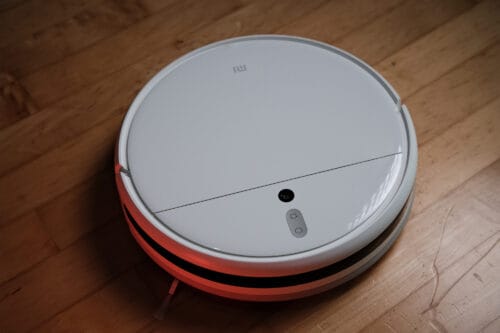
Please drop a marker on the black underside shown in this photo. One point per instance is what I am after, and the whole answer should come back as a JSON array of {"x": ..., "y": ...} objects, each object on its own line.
[{"x": 262, "y": 282}]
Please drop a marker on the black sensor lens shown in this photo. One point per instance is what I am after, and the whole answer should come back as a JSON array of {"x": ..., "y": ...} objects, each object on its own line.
[{"x": 286, "y": 195}]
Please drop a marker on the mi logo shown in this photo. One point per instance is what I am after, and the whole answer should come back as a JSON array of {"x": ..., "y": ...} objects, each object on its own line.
[{"x": 239, "y": 69}]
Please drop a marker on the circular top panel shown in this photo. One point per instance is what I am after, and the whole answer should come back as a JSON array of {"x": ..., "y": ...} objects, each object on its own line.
[{"x": 215, "y": 137}]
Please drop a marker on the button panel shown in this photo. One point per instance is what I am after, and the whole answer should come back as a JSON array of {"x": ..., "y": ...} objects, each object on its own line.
[{"x": 296, "y": 223}]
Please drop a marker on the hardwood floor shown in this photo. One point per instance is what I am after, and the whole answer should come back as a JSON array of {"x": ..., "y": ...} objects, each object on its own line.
[{"x": 70, "y": 69}]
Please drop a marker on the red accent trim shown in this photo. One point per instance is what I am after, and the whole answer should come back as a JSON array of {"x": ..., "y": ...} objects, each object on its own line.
[{"x": 241, "y": 293}]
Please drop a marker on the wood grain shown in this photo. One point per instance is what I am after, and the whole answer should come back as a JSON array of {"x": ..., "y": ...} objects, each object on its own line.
[
  {"x": 76, "y": 33},
  {"x": 8, "y": 4},
  {"x": 444, "y": 48},
  {"x": 82, "y": 269},
  {"x": 473, "y": 143},
  {"x": 391, "y": 31},
  {"x": 340, "y": 17},
  {"x": 15, "y": 102},
  {"x": 56, "y": 172},
  {"x": 69, "y": 71},
  {"x": 26, "y": 18},
  {"x": 470, "y": 276},
  {"x": 463, "y": 90},
  {"x": 251, "y": 19},
  {"x": 124, "y": 305},
  {"x": 81, "y": 209},
  {"x": 23, "y": 243}
]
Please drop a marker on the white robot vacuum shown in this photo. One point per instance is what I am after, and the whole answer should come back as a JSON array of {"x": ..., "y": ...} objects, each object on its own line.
[{"x": 266, "y": 167}]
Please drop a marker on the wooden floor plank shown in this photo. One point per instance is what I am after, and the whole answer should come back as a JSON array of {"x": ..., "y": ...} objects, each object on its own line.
[
  {"x": 9, "y": 4},
  {"x": 446, "y": 47},
  {"x": 469, "y": 284},
  {"x": 471, "y": 300},
  {"x": 472, "y": 144},
  {"x": 340, "y": 17},
  {"x": 455, "y": 95},
  {"x": 23, "y": 243},
  {"x": 462, "y": 288},
  {"x": 82, "y": 209},
  {"x": 37, "y": 134},
  {"x": 485, "y": 187},
  {"x": 69, "y": 36},
  {"x": 390, "y": 32},
  {"x": 58, "y": 171},
  {"x": 15, "y": 102},
  {"x": 97, "y": 61},
  {"x": 250, "y": 20},
  {"x": 124, "y": 305},
  {"x": 61, "y": 280},
  {"x": 28, "y": 17},
  {"x": 492, "y": 327},
  {"x": 212, "y": 315}
]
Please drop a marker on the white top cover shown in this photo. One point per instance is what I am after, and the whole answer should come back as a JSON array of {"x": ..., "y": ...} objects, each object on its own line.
[{"x": 213, "y": 137}]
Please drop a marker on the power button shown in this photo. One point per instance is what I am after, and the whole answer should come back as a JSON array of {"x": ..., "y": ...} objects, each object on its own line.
[{"x": 296, "y": 223}]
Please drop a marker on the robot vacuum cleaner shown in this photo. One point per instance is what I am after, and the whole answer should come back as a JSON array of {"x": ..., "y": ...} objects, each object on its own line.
[{"x": 266, "y": 167}]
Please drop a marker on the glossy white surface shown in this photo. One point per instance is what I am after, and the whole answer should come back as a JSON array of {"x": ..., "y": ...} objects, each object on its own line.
[
  {"x": 200, "y": 130},
  {"x": 253, "y": 223}
]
